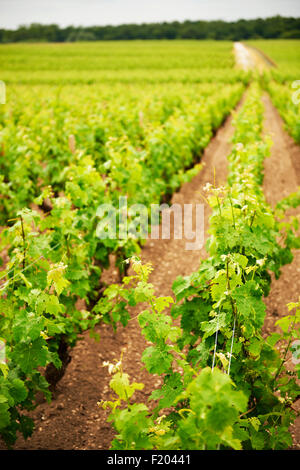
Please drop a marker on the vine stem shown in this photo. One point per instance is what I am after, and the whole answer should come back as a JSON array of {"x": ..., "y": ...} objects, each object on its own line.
[
  {"x": 249, "y": 411},
  {"x": 233, "y": 218},
  {"x": 24, "y": 242},
  {"x": 215, "y": 348},
  {"x": 234, "y": 315},
  {"x": 231, "y": 346},
  {"x": 252, "y": 220},
  {"x": 285, "y": 353}
]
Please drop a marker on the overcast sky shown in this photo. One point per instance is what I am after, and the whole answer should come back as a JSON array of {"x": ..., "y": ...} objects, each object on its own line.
[{"x": 101, "y": 12}]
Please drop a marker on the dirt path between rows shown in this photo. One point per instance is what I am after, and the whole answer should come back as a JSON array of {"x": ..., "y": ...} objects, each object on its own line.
[
  {"x": 249, "y": 57},
  {"x": 73, "y": 420},
  {"x": 243, "y": 57}
]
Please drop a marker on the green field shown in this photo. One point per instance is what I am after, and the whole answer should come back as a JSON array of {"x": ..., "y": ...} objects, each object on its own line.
[
  {"x": 138, "y": 61},
  {"x": 122, "y": 97}
]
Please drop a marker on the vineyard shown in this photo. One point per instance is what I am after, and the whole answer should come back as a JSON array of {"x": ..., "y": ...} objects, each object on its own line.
[{"x": 135, "y": 343}]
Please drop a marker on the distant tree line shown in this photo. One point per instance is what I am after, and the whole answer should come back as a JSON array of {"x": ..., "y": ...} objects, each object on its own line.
[{"x": 269, "y": 28}]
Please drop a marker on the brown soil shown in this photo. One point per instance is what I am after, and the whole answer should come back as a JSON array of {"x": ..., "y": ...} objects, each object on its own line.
[
  {"x": 72, "y": 420},
  {"x": 261, "y": 56}
]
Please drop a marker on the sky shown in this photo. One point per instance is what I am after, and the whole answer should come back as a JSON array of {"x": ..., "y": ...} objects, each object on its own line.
[{"x": 102, "y": 12}]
